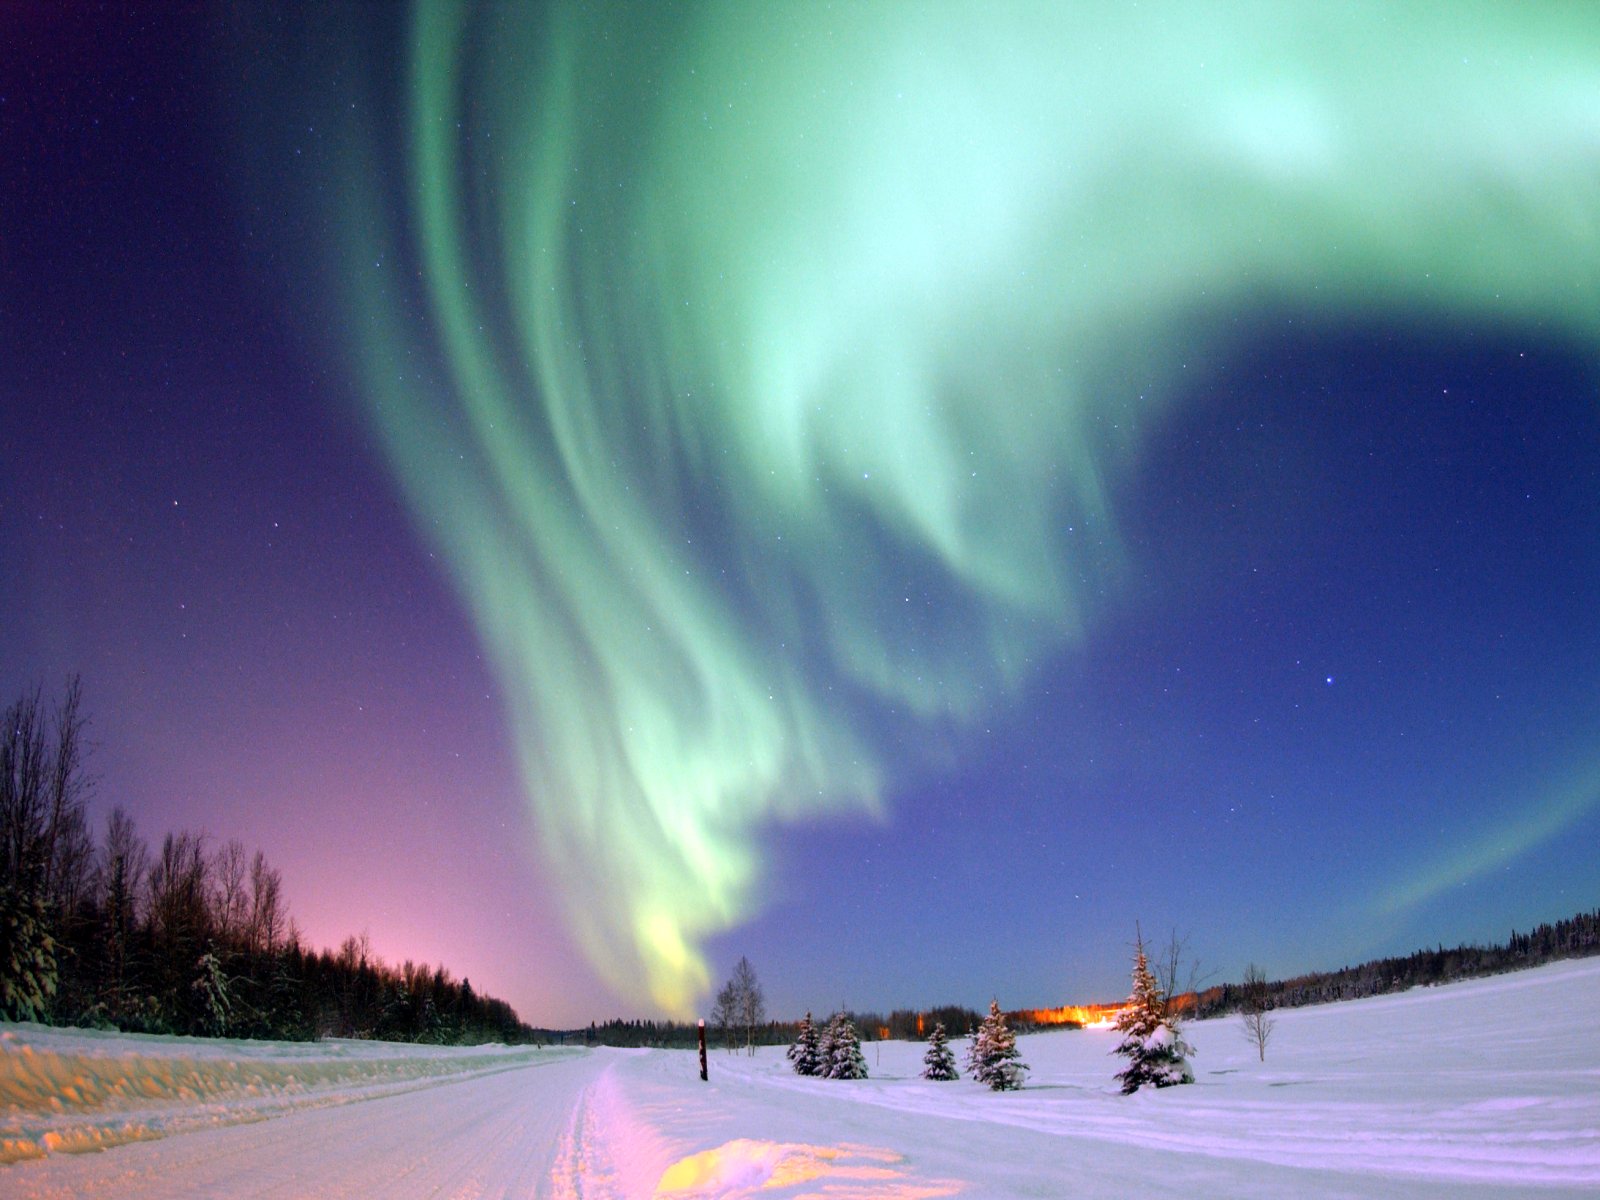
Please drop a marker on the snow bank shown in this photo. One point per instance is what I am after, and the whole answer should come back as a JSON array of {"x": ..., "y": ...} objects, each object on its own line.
[{"x": 76, "y": 1090}]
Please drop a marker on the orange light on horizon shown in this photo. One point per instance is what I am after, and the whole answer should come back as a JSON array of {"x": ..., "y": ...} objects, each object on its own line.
[
  {"x": 1089, "y": 1016},
  {"x": 1094, "y": 1016}
]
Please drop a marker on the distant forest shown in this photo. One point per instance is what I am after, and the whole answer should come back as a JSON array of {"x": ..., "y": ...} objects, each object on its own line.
[
  {"x": 191, "y": 938},
  {"x": 1574, "y": 937},
  {"x": 900, "y": 1025}
]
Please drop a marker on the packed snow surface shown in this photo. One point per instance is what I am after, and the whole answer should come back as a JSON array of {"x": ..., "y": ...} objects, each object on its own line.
[{"x": 1484, "y": 1088}]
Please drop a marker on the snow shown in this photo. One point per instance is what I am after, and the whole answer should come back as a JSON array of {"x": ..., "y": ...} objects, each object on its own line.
[
  {"x": 1484, "y": 1088},
  {"x": 77, "y": 1090}
]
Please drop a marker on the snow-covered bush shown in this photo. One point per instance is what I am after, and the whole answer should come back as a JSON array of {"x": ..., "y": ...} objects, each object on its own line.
[
  {"x": 993, "y": 1059},
  {"x": 939, "y": 1063},
  {"x": 841, "y": 1050},
  {"x": 806, "y": 1053},
  {"x": 1152, "y": 1043}
]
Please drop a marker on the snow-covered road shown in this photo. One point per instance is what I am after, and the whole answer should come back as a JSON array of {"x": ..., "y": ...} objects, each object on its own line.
[
  {"x": 1488, "y": 1088},
  {"x": 497, "y": 1133}
]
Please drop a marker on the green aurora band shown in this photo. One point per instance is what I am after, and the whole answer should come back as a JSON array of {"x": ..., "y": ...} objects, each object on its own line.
[{"x": 762, "y": 366}]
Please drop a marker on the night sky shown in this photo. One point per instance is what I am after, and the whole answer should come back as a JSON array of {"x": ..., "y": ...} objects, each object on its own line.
[{"x": 898, "y": 492}]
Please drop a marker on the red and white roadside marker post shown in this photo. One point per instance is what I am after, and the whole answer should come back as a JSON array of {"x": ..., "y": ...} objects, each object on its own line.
[{"x": 704, "y": 1078}]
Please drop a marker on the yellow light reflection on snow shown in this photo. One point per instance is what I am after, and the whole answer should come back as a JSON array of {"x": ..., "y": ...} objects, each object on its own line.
[{"x": 746, "y": 1166}]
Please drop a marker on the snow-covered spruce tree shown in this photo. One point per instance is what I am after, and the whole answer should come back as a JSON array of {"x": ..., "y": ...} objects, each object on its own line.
[
  {"x": 1156, "y": 1052},
  {"x": 806, "y": 1053},
  {"x": 939, "y": 1063},
  {"x": 998, "y": 1064},
  {"x": 211, "y": 987},
  {"x": 27, "y": 955},
  {"x": 974, "y": 1053},
  {"x": 841, "y": 1050}
]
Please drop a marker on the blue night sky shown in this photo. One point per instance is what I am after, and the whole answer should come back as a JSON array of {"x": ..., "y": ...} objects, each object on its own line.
[{"x": 900, "y": 493}]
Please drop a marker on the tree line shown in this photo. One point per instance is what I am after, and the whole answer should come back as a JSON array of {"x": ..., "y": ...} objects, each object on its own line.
[
  {"x": 1573, "y": 937},
  {"x": 191, "y": 937},
  {"x": 738, "y": 1021}
]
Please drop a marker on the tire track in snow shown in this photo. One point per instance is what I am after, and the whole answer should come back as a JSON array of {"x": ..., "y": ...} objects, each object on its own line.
[
  {"x": 607, "y": 1151},
  {"x": 486, "y": 1136},
  {"x": 583, "y": 1169}
]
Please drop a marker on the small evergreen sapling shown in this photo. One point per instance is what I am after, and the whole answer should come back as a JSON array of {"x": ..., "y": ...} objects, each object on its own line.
[
  {"x": 939, "y": 1063},
  {"x": 841, "y": 1050},
  {"x": 211, "y": 985},
  {"x": 806, "y": 1054},
  {"x": 994, "y": 1059},
  {"x": 1156, "y": 1052},
  {"x": 971, "y": 1058}
]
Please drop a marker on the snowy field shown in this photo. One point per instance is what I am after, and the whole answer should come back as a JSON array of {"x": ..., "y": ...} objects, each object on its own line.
[{"x": 1485, "y": 1088}]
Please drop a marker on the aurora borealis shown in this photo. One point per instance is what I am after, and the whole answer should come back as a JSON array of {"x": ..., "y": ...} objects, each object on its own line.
[{"x": 1026, "y": 428}]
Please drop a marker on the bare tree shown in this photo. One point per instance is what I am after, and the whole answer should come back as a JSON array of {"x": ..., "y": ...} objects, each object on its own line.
[
  {"x": 68, "y": 845},
  {"x": 741, "y": 1005},
  {"x": 266, "y": 921},
  {"x": 22, "y": 773},
  {"x": 1254, "y": 1007},
  {"x": 121, "y": 865},
  {"x": 120, "y": 871},
  {"x": 45, "y": 849},
  {"x": 355, "y": 953},
  {"x": 177, "y": 893},
  {"x": 230, "y": 901},
  {"x": 72, "y": 875},
  {"x": 1178, "y": 976},
  {"x": 355, "y": 957},
  {"x": 752, "y": 1001},
  {"x": 725, "y": 1014},
  {"x": 44, "y": 840}
]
